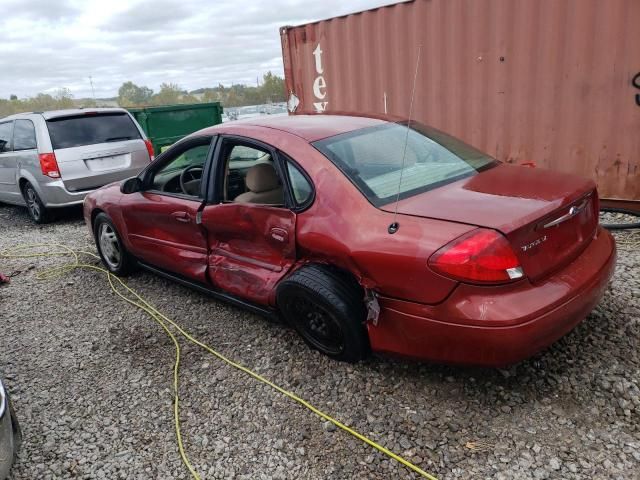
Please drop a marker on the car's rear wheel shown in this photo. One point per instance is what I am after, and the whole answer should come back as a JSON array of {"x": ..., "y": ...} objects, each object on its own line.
[
  {"x": 327, "y": 309},
  {"x": 110, "y": 247},
  {"x": 37, "y": 211}
]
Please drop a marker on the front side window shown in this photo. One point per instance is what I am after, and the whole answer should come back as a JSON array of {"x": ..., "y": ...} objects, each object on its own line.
[
  {"x": 91, "y": 128},
  {"x": 182, "y": 174},
  {"x": 24, "y": 135},
  {"x": 250, "y": 175},
  {"x": 5, "y": 136},
  {"x": 372, "y": 158}
]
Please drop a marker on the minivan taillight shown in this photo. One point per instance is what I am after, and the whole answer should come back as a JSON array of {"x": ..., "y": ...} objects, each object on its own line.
[
  {"x": 149, "y": 145},
  {"x": 49, "y": 165},
  {"x": 481, "y": 256}
]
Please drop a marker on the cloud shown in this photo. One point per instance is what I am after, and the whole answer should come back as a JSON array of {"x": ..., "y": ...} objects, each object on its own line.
[{"x": 47, "y": 45}]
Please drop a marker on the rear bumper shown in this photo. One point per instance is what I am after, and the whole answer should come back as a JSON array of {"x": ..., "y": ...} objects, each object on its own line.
[
  {"x": 497, "y": 326},
  {"x": 55, "y": 194}
]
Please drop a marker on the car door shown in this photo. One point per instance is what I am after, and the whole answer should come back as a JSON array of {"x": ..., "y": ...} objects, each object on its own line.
[
  {"x": 160, "y": 220},
  {"x": 7, "y": 163},
  {"x": 25, "y": 153},
  {"x": 250, "y": 226}
]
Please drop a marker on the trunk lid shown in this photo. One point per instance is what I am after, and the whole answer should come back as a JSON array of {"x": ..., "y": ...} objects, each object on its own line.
[{"x": 548, "y": 217}]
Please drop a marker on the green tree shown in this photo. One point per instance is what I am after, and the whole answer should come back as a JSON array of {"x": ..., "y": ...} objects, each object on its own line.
[
  {"x": 64, "y": 99},
  {"x": 170, "y": 93},
  {"x": 131, "y": 95},
  {"x": 273, "y": 88}
]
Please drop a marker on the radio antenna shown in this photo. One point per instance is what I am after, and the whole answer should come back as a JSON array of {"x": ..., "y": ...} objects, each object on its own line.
[{"x": 393, "y": 228}]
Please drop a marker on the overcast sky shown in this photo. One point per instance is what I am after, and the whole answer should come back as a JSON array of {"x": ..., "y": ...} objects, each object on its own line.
[{"x": 49, "y": 44}]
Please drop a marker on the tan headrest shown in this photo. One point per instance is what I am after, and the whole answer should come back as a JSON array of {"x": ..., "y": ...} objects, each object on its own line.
[{"x": 262, "y": 178}]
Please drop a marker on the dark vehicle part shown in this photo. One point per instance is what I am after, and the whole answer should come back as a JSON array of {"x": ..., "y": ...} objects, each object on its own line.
[
  {"x": 91, "y": 128},
  {"x": 620, "y": 226},
  {"x": 110, "y": 247},
  {"x": 17, "y": 431},
  {"x": 327, "y": 310},
  {"x": 37, "y": 211}
]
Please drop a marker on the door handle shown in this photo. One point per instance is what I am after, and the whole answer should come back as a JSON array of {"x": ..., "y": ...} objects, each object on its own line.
[
  {"x": 279, "y": 234},
  {"x": 183, "y": 217}
]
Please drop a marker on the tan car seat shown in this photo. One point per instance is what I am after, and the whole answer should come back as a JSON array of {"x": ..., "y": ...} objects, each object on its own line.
[{"x": 264, "y": 186}]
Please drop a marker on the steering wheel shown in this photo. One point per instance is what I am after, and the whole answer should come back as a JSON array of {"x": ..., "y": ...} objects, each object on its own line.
[{"x": 186, "y": 181}]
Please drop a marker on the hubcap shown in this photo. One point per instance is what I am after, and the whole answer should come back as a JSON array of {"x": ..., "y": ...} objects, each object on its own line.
[
  {"x": 319, "y": 326},
  {"x": 109, "y": 245},
  {"x": 32, "y": 203}
]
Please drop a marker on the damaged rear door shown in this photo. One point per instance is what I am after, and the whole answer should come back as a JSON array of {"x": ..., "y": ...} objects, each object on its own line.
[{"x": 250, "y": 229}]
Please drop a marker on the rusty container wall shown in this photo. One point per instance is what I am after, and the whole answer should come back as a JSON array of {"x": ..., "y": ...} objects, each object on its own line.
[{"x": 551, "y": 81}]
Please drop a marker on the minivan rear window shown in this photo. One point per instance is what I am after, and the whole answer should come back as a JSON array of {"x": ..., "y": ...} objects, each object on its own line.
[{"x": 89, "y": 129}]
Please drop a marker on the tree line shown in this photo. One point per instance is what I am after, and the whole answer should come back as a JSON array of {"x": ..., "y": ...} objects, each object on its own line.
[
  {"x": 41, "y": 102},
  {"x": 271, "y": 90}
]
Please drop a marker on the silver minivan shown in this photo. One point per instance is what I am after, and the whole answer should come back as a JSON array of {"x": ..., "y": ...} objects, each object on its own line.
[{"x": 53, "y": 159}]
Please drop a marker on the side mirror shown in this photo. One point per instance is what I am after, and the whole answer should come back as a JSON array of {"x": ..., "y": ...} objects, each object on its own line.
[{"x": 131, "y": 185}]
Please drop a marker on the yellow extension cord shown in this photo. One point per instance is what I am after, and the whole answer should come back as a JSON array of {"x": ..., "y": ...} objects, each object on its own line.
[{"x": 35, "y": 250}]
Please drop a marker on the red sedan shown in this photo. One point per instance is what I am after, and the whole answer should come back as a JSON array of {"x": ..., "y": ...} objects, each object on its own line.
[{"x": 366, "y": 235}]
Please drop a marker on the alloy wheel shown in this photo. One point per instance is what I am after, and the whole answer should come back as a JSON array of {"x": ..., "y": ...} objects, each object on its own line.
[
  {"x": 33, "y": 203},
  {"x": 109, "y": 246}
]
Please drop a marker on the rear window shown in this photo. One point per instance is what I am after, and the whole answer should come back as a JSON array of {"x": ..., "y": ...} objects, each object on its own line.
[
  {"x": 372, "y": 158},
  {"x": 67, "y": 132}
]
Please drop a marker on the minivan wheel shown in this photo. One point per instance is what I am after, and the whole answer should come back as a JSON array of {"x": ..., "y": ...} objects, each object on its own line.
[
  {"x": 327, "y": 309},
  {"x": 110, "y": 247},
  {"x": 37, "y": 211}
]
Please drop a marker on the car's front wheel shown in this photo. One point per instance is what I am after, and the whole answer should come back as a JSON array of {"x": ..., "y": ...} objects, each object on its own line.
[
  {"x": 327, "y": 310},
  {"x": 37, "y": 211},
  {"x": 110, "y": 247}
]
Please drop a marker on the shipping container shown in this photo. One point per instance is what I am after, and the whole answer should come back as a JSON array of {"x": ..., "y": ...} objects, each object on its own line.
[
  {"x": 556, "y": 82},
  {"x": 166, "y": 124}
]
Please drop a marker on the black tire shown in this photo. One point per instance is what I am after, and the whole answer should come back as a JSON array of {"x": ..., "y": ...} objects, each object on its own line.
[
  {"x": 114, "y": 255},
  {"x": 326, "y": 307},
  {"x": 37, "y": 211},
  {"x": 17, "y": 431},
  {"x": 620, "y": 226}
]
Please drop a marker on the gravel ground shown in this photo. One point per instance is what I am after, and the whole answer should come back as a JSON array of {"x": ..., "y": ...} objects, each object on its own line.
[{"x": 91, "y": 380}]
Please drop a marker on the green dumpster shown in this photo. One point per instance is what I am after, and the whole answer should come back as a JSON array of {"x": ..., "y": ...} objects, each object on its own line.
[{"x": 166, "y": 124}]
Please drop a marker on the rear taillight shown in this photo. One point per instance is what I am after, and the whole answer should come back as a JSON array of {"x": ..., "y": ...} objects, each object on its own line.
[
  {"x": 149, "y": 145},
  {"x": 49, "y": 165},
  {"x": 481, "y": 256}
]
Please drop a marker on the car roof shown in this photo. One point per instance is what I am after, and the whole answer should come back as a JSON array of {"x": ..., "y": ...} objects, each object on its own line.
[
  {"x": 70, "y": 112},
  {"x": 310, "y": 127}
]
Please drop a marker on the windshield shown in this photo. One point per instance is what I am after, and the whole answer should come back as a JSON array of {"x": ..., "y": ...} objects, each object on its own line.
[
  {"x": 372, "y": 159},
  {"x": 90, "y": 129}
]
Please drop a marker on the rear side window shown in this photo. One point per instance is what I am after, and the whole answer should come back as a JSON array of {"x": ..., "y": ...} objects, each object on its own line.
[
  {"x": 5, "y": 136},
  {"x": 89, "y": 129},
  {"x": 24, "y": 135},
  {"x": 302, "y": 189}
]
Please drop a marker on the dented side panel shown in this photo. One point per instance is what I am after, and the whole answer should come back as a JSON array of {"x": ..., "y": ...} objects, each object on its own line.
[{"x": 251, "y": 247}]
